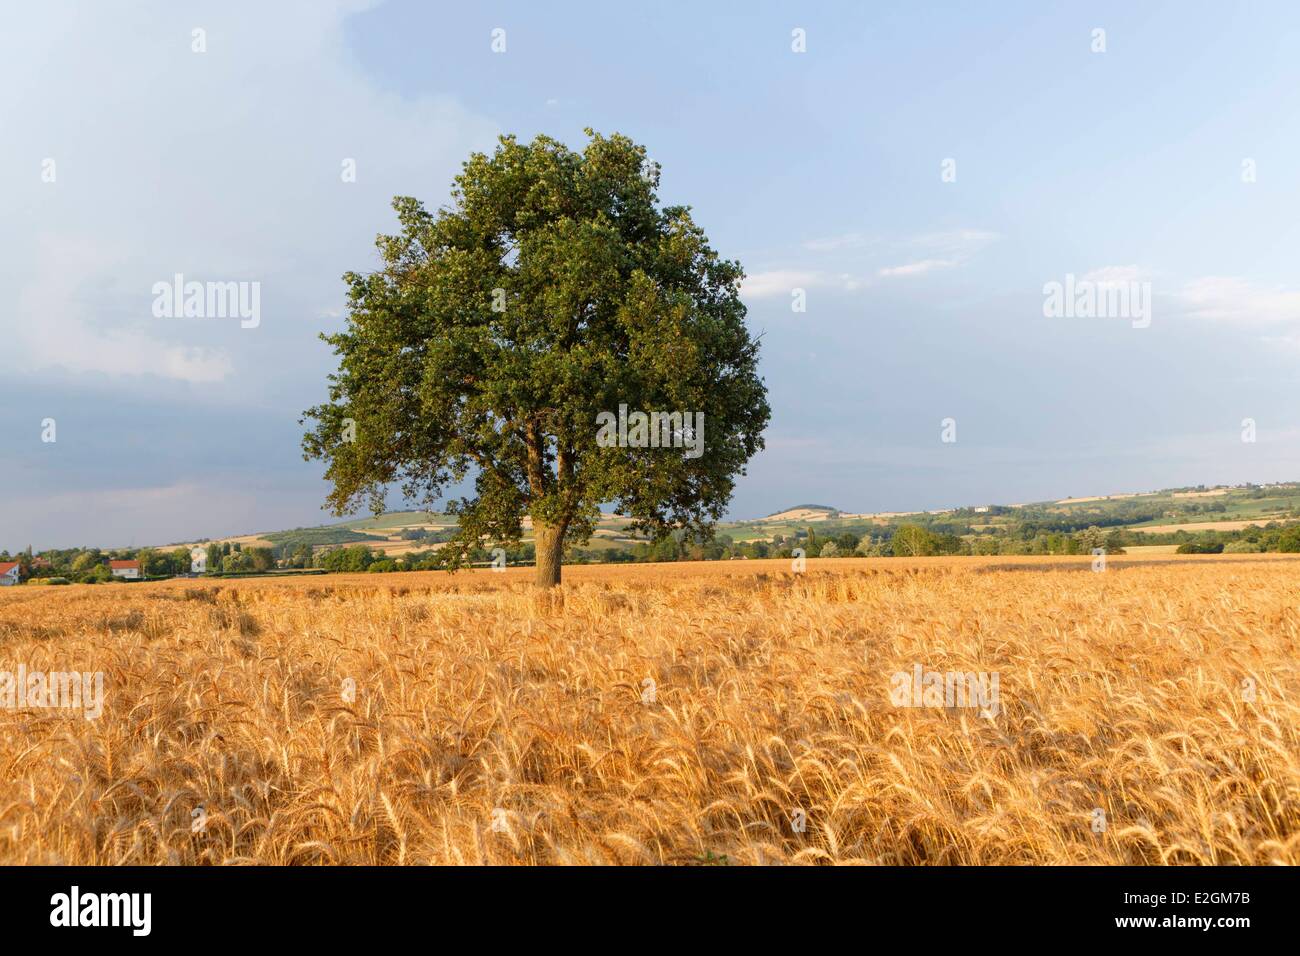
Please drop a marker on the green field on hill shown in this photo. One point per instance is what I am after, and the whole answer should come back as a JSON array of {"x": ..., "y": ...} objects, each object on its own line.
[{"x": 1177, "y": 514}]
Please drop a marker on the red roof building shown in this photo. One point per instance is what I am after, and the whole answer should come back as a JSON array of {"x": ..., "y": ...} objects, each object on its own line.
[{"x": 124, "y": 569}]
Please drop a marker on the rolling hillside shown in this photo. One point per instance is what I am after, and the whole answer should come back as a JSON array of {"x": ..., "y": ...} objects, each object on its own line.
[{"x": 1165, "y": 512}]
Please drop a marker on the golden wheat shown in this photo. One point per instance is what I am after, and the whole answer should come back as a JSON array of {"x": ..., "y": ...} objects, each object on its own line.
[{"x": 665, "y": 714}]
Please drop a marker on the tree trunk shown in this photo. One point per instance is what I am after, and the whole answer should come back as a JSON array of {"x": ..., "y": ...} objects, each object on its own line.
[{"x": 549, "y": 546}]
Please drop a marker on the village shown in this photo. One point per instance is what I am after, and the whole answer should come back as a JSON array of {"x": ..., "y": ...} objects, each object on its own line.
[{"x": 91, "y": 567}]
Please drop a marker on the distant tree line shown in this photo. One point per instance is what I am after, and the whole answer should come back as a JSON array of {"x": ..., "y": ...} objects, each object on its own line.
[{"x": 955, "y": 533}]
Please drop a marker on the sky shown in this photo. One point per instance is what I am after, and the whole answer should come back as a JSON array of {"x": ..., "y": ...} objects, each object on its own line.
[{"x": 902, "y": 183}]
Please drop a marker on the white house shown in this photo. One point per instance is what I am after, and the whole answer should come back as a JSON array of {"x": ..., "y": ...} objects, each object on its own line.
[
  {"x": 8, "y": 573},
  {"x": 125, "y": 569},
  {"x": 198, "y": 560}
]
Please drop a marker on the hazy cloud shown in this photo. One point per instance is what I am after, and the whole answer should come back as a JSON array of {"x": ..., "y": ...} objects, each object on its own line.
[
  {"x": 224, "y": 165},
  {"x": 781, "y": 282},
  {"x": 1225, "y": 298},
  {"x": 916, "y": 268}
]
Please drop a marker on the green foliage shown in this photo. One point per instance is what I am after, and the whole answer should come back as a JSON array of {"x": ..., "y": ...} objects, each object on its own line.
[
  {"x": 1289, "y": 540},
  {"x": 995, "y": 531},
  {"x": 606, "y": 298},
  {"x": 1242, "y": 547},
  {"x": 352, "y": 559},
  {"x": 263, "y": 558},
  {"x": 100, "y": 574},
  {"x": 913, "y": 541},
  {"x": 87, "y": 561},
  {"x": 1192, "y": 547},
  {"x": 299, "y": 556},
  {"x": 162, "y": 564},
  {"x": 317, "y": 537},
  {"x": 236, "y": 562}
]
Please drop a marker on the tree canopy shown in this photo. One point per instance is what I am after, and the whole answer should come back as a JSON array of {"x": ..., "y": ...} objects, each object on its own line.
[{"x": 553, "y": 288}]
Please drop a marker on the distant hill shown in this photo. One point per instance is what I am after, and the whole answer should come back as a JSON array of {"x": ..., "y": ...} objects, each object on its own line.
[
  {"x": 1190, "y": 508},
  {"x": 803, "y": 508}
]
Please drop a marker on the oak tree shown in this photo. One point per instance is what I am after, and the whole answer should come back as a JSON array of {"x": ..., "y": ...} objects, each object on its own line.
[{"x": 554, "y": 287}]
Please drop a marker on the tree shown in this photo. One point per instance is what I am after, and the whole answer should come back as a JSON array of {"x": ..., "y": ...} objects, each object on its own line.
[
  {"x": 913, "y": 541},
  {"x": 355, "y": 558},
  {"x": 1289, "y": 540},
  {"x": 99, "y": 574},
  {"x": 554, "y": 289},
  {"x": 181, "y": 561},
  {"x": 1092, "y": 537},
  {"x": 236, "y": 562},
  {"x": 263, "y": 559}
]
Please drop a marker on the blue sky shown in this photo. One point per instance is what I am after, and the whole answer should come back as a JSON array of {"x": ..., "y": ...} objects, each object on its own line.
[{"x": 818, "y": 170}]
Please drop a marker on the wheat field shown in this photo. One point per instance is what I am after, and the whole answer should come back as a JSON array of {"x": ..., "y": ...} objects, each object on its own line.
[{"x": 724, "y": 713}]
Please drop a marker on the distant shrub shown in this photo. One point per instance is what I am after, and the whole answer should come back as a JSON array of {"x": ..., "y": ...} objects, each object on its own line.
[
  {"x": 1242, "y": 547},
  {"x": 1192, "y": 547},
  {"x": 1289, "y": 540}
]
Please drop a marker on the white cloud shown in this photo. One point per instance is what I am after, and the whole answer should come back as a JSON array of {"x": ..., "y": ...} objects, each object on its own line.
[
  {"x": 1230, "y": 299},
  {"x": 766, "y": 285},
  {"x": 950, "y": 247},
  {"x": 916, "y": 268},
  {"x": 964, "y": 241},
  {"x": 781, "y": 282},
  {"x": 849, "y": 240},
  {"x": 61, "y": 330},
  {"x": 1116, "y": 275},
  {"x": 223, "y": 165},
  {"x": 930, "y": 252},
  {"x": 946, "y": 250}
]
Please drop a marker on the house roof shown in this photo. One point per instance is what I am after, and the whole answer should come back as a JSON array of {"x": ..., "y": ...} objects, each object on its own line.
[
  {"x": 124, "y": 565},
  {"x": 7, "y": 566}
]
